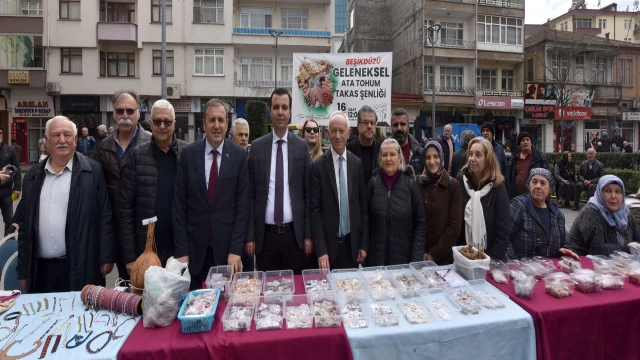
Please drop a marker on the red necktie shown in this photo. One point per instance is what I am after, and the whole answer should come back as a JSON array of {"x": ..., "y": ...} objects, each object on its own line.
[{"x": 213, "y": 180}]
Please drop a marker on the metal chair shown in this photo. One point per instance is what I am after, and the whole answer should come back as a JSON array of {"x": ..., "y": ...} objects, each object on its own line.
[
  {"x": 8, "y": 248},
  {"x": 9, "y": 280}
]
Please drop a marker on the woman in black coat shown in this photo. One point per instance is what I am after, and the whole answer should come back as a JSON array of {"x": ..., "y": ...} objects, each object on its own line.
[
  {"x": 397, "y": 221},
  {"x": 485, "y": 202}
]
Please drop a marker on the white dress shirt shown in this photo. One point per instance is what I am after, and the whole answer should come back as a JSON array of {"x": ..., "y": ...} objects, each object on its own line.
[
  {"x": 208, "y": 160},
  {"x": 286, "y": 204},
  {"x": 52, "y": 214},
  {"x": 336, "y": 168}
]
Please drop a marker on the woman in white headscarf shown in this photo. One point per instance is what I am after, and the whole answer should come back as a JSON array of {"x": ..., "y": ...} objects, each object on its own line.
[
  {"x": 485, "y": 202},
  {"x": 604, "y": 224}
]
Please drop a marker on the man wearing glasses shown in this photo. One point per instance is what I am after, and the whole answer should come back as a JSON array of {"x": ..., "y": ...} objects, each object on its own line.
[
  {"x": 112, "y": 152},
  {"x": 147, "y": 185},
  {"x": 365, "y": 146}
]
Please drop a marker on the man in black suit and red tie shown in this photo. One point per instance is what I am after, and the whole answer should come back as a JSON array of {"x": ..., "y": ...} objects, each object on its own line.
[
  {"x": 339, "y": 208},
  {"x": 279, "y": 177},
  {"x": 210, "y": 199}
]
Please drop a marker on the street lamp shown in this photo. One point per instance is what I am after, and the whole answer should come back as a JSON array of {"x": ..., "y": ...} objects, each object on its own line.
[
  {"x": 276, "y": 33},
  {"x": 433, "y": 30}
]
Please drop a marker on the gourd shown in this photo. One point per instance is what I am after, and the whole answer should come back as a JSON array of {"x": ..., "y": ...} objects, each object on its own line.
[{"x": 146, "y": 260}]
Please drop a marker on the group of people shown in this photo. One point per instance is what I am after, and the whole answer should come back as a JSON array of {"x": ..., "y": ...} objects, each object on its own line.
[
  {"x": 602, "y": 143},
  {"x": 222, "y": 201}
]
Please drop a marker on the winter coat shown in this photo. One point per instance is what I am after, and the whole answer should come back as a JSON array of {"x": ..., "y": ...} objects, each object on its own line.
[
  {"x": 106, "y": 153},
  {"x": 606, "y": 144},
  {"x": 501, "y": 157},
  {"x": 138, "y": 191},
  {"x": 88, "y": 232},
  {"x": 528, "y": 237},
  {"x": 598, "y": 168},
  {"x": 397, "y": 222},
  {"x": 90, "y": 143},
  {"x": 496, "y": 212},
  {"x": 416, "y": 159},
  {"x": 442, "y": 208},
  {"x": 459, "y": 160},
  {"x": 538, "y": 160},
  {"x": 355, "y": 147},
  {"x": 8, "y": 157},
  {"x": 562, "y": 172},
  {"x": 590, "y": 234},
  {"x": 618, "y": 140},
  {"x": 445, "y": 150}
]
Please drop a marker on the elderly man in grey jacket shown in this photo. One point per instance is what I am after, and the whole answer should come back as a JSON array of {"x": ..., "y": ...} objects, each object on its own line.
[{"x": 591, "y": 170}]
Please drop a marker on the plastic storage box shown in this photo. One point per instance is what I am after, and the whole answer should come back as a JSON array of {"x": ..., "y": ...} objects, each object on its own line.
[
  {"x": 349, "y": 284},
  {"x": 277, "y": 282},
  {"x": 247, "y": 283},
  {"x": 559, "y": 285},
  {"x": 299, "y": 312},
  {"x": 269, "y": 313},
  {"x": 587, "y": 280},
  {"x": 236, "y": 323},
  {"x": 220, "y": 277},
  {"x": 191, "y": 324},
  {"x": 471, "y": 273},
  {"x": 440, "y": 304},
  {"x": 316, "y": 280},
  {"x": 384, "y": 313},
  {"x": 326, "y": 309},
  {"x": 406, "y": 279},
  {"x": 380, "y": 284}
]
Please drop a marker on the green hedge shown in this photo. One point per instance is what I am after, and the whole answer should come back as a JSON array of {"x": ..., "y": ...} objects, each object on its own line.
[
  {"x": 609, "y": 160},
  {"x": 630, "y": 178}
]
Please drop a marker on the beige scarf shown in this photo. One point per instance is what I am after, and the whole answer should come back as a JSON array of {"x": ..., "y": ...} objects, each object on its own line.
[{"x": 475, "y": 228}]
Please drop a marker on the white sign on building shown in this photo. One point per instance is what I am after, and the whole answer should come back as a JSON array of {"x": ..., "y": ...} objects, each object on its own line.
[{"x": 324, "y": 83}]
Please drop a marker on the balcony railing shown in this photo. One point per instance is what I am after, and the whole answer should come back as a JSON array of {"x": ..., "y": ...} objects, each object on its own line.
[
  {"x": 261, "y": 83},
  {"x": 285, "y": 32},
  {"x": 451, "y": 90},
  {"x": 20, "y": 8},
  {"x": 514, "y": 4},
  {"x": 452, "y": 43},
  {"x": 507, "y": 93},
  {"x": 117, "y": 32}
]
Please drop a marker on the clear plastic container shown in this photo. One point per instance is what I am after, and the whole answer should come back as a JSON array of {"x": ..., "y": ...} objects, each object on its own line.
[
  {"x": 465, "y": 299},
  {"x": 326, "y": 309},
  {"x": 603, "y": 263},
  {"x": 349, "y": 284},
  {"x": 559, "y": 285},
  {"x": 299, "y": 312},
  {"x": 477, "y": 289},
  {"x": 587, "y": 280},
  {"x": 612, "y": 280},
  {"x": 568, "y": 264},
  {"x": 414, "y": 311},
  {"x": 269, "y": 313},
  {"x": 622, "y": 261},
  {"x": 247, "y": 283},
  {"x": 471, "y": 273},
  {"x": 279, "y": 283},
  {"x": 406, "y": 280},
  {"x": 384, "y": 314},
  {"x": 538, "y": 269},
  {"x": 440, "y": 304},
  {"x": 634, "y": 247},
  {"x": 219, "y": 277},
  {"x": 499, "y": 271},
  {"x": 523, "y": 284},
  {"x": 238, "y": 314},
  {"x": 316, "y": 280},
  {"x": 380, "y": 283},
  {"x": 515, "y": 266},
  {"x": 548, "y": 263},
  {"x": 433, "y": 275},
  {"x": 355, "y": 314}
]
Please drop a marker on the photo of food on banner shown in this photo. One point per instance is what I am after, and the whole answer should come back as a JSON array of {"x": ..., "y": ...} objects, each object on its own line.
[{"x": 315, "y": 83}]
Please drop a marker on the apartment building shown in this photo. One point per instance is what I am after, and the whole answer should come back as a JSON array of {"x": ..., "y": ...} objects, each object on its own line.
[
  {"x": 603, "y": 69},
  {"x": 478, "y": 50},
  {"x": 215, "y": 48},
  {"x": 606, "y": 22}
]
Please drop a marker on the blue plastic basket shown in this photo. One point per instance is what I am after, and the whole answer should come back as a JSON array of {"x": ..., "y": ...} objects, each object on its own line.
[{"x": 192, "y": 324}]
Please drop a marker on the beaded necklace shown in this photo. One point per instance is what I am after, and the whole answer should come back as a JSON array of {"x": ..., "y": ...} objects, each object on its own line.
[{"x": 108, "y": 332}]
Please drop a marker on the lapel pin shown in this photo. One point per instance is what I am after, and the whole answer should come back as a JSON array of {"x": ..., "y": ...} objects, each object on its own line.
[{"x": 227, "y": 155}]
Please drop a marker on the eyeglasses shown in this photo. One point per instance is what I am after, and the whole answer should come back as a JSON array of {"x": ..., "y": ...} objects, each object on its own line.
[
  {"x": 309, "y": 129},
  {"x": 167, "y": 123},
  {"x": 129, "y": 111}
]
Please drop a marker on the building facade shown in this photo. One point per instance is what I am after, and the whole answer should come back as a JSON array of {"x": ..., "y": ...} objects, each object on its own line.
[
  {"x": 477, "y": 74},
  {"x": 215, "y": 48},
  {"x": 606, "y": 22}
]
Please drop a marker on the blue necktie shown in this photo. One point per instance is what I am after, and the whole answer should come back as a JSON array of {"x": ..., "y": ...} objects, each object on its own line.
[{"x": 344, "y": 202}]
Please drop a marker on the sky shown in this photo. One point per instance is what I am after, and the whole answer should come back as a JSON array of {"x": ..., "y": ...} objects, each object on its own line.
[{"x": 539, "y": 11}]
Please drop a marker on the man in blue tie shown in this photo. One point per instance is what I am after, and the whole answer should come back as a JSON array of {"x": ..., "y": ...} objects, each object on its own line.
[{"x": 339, "y": 211}]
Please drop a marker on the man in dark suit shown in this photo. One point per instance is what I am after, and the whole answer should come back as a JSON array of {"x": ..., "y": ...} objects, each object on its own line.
[
  {"x": 339, "y": 210},
  {"x": 210, "y": 199},
  {"x": 279, "y": 177}
]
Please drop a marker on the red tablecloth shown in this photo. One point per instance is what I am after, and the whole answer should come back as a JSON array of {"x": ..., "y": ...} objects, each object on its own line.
[
  {"x": 604, "y": 325},
  {"x": 169, "y": 342}
]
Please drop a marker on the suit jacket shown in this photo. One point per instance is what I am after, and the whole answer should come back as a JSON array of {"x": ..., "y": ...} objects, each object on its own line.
[
  {"x": 195, "y": 216},
  {"x": 299, "y": 186},
  {"x": 325, "y": 208}
]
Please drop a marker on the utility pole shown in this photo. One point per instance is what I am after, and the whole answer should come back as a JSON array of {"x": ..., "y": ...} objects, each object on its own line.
[
  {"x": 163, "y": 18},
  {"x": 433, "y": 29}
]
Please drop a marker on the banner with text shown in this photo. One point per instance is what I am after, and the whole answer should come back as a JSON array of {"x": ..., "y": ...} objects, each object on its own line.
[
  {"x": 572, "y": 113},
  {"x": 324, "y": 83}
]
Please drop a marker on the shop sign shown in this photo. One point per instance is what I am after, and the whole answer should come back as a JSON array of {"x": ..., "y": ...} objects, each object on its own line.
[
  {"x": 32, "y": 108},
  {"x": 599, "y": 111},
  {"x": 539, "y": 111},
  {"x": 631, "y": 116},
  {"x": 181, "y": 106},
  {"x": 572, "y": 113},
  {"x": 517, "y": 104},
  {"x": 535, "y": 122},
  {"x": 18, "y": 77}
]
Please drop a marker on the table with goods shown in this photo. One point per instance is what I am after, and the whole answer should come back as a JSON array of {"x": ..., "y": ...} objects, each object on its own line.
[{"x": 582, "y": 309}]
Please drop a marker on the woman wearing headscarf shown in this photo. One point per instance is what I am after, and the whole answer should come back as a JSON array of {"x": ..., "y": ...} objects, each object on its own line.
[
  {"x": 442, "y": 205},
  {"x": 397, "y": 225},
  {"x": 537, "y": 225},
  {"x": 564, "y": 173},
  {"x": 485, "y": 202},
  {"x": 604, "y": 224}
]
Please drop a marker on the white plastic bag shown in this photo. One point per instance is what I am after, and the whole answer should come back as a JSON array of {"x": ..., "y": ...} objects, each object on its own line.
[
  {"x": 164, "y": 292},
  {"x": 459, "y": 259}
]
